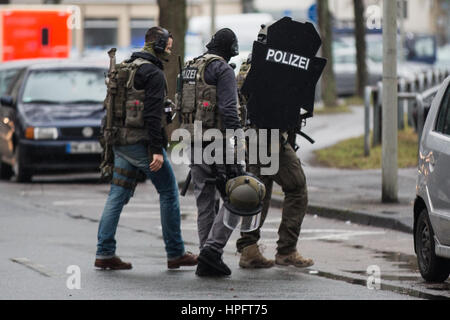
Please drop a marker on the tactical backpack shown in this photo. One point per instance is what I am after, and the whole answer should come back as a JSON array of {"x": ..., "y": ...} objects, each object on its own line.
[
  {"x": 125, "y": 105},
  {"x": 197, "y": 100},
  {"x": 123, "y": 123}
]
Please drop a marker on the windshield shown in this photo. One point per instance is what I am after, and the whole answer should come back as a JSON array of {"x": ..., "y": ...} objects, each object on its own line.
[
  {"x": 374, "y": 45},
  {"x": 65, "y": 86}
]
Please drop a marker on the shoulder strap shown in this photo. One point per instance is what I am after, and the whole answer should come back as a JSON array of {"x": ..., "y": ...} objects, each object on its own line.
[
  {"x": 207, "y": 59},
  {"x": 139, "y": 62},
  {"x": 135, "y": 64}
]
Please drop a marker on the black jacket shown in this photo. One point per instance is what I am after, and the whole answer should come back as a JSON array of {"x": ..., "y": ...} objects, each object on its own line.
[
  {"x": 150, "y": 77},
  {"x": 220, "y": 74}
]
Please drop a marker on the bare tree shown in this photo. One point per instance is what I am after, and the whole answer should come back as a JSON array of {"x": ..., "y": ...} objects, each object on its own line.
[
  {"x": 328, "y": 80},
  {"x": 360, "y": 33},
  {"x": 248, "y": 6},
  {"x": 172, "y": 16}
]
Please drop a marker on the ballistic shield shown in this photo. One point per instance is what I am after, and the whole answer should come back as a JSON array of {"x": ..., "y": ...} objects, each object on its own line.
[{"x": 283, "y": 76}]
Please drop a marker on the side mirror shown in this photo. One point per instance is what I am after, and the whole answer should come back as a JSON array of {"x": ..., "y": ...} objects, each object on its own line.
[{"x": 7, "y": 101}]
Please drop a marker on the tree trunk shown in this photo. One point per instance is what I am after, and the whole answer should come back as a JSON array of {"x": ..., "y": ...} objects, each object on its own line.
[
  {"x": 360, "y": 32},
  {"x": 326, "y": 33},
  {"x": 172, "y": 16},
  {"x": 248, "y": 6}
]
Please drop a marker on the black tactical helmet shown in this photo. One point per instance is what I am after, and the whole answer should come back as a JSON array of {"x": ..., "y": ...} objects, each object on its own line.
[
  {"x": 224, "y": 43},
  {"x": 245, "y": 195}
]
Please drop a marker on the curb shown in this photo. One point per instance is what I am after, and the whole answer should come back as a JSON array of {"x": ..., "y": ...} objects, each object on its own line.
[
  {"x": 358, "y": 217},
  {"x": 363, "y": 218}
]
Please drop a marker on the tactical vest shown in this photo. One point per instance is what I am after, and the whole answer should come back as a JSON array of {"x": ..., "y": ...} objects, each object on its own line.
[
  {"x": 128, "y": 126},
  {"x": 240, "y": 78},
  {"x": 198, "y": 99}
]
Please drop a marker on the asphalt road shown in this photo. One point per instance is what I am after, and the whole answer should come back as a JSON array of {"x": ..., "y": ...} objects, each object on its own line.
[{"x": 51, "y": 224}]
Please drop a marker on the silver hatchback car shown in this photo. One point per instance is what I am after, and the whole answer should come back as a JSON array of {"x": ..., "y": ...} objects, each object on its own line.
[{"x": 432, "y": 204}]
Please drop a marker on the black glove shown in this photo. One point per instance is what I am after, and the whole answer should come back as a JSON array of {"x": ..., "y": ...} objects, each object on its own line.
[
  {"x": 168, "y": 110},
  {"x": 234, "y": 170}
]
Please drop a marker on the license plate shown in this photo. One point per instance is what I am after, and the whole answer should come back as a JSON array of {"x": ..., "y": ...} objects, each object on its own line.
[{"x": 83, "y": 147}]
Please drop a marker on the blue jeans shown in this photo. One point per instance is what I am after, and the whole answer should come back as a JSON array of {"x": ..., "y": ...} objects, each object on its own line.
[{"x": 132, "y": 158}]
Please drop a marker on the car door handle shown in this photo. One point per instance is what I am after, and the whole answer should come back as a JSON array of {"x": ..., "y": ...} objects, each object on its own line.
[
  {"x": 431, "y": 163},
  {"x": 431, "y": 160}
]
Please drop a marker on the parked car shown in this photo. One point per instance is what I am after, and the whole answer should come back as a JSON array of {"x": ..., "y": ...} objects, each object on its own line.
[
  {"x": 432, "y": 204},
  {"x": 344, "y": 66},
  {"x": 443, "y": 57},
  {"x": 50, "y": 116}
]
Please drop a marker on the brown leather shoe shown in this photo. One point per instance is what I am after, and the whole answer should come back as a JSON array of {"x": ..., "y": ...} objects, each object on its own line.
[
  {"x": 114, "y": 263},
  {"x": 189, "y": 259}
]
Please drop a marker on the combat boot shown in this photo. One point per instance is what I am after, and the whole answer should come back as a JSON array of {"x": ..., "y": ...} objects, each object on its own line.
[
  {"x": 251, "y": 258},
  {"x": 210, "y": 262},
  {"x": 293, "y": 259}
]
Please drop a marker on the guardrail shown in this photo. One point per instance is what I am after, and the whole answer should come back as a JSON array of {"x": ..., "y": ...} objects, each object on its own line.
[{"x": 414, "y": 94}]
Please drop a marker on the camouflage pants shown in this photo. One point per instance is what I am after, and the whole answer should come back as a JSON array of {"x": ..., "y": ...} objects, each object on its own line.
[{"x": 291, "y": 178}]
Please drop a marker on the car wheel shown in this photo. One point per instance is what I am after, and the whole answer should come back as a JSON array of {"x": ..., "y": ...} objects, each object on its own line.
[
  {"x": 22, "y": 174},
  {"x": 6, "y": 171},
  {"x": 431, "y": 267}
]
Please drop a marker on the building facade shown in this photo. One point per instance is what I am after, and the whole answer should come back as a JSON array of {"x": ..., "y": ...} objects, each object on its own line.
[{"x": 106, "y": 23}]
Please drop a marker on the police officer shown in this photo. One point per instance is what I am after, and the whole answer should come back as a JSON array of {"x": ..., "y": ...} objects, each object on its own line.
[
  {"x": 291, "y": 178},
  {"x": 139, "y": 147},
  {"x": 209, "y": 96}
]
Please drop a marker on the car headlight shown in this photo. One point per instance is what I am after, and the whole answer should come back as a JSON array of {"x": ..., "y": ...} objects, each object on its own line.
[{"x": 41, "y": 133}]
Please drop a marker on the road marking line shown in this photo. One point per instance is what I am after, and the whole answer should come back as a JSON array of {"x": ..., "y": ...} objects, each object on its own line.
[
  {"x": 101, "y": 203},
  {"x": 344, "y": 236},
  {"x": 34, "y": 266},
  {"x": 331, "y": 234}
]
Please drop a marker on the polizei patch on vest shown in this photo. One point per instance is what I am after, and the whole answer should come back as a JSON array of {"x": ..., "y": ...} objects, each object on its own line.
[
  {"x": 189, "y": 74},
  {"x": 287, "y": 58}
]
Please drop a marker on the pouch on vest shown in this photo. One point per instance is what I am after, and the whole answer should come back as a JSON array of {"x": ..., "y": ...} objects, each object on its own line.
[
  {"x": 206, "y": 107},
  {"x": 122, "y": 77},
  {"x": 189, "y": 93},
  {"x": 134, "y": 114}
]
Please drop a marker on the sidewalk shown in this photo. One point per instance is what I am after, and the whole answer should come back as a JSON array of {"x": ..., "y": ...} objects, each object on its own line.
[{"x": 355, "y": 195}]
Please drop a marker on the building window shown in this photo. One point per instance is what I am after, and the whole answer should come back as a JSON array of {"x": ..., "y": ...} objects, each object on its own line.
[
  {"x": 138, "y": 28},
  {"x": 100, "y": 32}
]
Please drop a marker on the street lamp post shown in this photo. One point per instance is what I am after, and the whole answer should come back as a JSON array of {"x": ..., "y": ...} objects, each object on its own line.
[
  {"x": 213, "y": 17},
  {"x": 389, "y": 111}
]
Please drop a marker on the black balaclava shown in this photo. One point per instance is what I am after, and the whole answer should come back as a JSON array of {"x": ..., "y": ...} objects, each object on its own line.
[{"x": 224, "y": 43}]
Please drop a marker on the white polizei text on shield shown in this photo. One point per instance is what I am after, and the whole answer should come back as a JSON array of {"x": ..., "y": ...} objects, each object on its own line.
[{"x": 287, "y": 58}]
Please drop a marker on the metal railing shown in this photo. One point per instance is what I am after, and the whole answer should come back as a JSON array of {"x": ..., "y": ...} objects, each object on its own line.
[{"x": 414, "y": 94}]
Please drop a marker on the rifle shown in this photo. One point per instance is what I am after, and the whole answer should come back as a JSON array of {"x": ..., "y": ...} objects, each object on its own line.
[
  {"x": 111, "y": 87},
  {"x": 298, "y": 130},
  {"x": 107, "y": 164},
  {"x": 186, "y": 184},
  {"x": 179, "y": 83}
]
